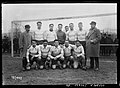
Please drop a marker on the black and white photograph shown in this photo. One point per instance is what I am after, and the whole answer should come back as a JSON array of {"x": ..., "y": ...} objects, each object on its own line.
[{"x": 59, "y": 44}]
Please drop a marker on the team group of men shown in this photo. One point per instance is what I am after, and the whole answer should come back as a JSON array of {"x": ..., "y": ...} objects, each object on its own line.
[{"x": 60, "y": 49}]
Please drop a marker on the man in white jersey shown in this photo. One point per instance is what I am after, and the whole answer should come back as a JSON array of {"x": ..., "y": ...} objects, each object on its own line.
[
  {"x": 81, "y": 34},
  {"x": 39, "y": 34},
  {"x": 45, "y": 60},
  {"x": 50, "y": 35},
  {"x": 56, "y": 55},
  {"x": 68, "y": 58},
  {"x": 71, "y": 35},
  {"x": 66, "y": 29},
  {"x": 33, "y": 54},
  {"x": 78, "y": 55}
]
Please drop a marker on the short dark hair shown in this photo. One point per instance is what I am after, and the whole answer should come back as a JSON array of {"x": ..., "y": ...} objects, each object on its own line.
[
  {"x": 66, "y": 26},
  {"x": 27, "y": 26},
  {"x": 80, "y": 23},
  {"x": 51, "y": 24},
  {"x": 93, "y": 22},
  {"x": 39, "y": 22},
  {"x": 71, "y": 23},
  {"x": 56, "y": 40},
  {"x": 60, "y": 24},
  {"x": 45, "y": 40},
  {"x": 77, "y": 41},
  {"x": 34, "y": 41}
]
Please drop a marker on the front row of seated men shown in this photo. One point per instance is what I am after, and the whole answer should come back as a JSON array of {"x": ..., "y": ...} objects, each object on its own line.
[{"x": 57, "y": 56}]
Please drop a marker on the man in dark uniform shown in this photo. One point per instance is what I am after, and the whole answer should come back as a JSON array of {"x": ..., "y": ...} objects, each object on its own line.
[{"x": 61, "y": 36}]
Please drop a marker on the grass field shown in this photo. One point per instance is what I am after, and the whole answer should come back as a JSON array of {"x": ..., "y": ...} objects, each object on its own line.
[{"x": 13, "y": 75}]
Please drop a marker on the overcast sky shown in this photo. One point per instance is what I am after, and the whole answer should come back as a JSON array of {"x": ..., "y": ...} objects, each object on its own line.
[{"x": 12, "y": 12}]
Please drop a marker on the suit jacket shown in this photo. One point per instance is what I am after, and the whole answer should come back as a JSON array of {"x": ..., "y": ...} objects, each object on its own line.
[{"x": 25, "y": 41}]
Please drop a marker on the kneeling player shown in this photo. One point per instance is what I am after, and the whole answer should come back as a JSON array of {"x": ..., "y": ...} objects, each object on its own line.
[
  {"x": 45, "y": 60},
  {"x": 68, "y": 58},
  {"x": 56, "y": 55},
  {"x": 33, "y": 55},
  {"x": 78, "y": 54}
]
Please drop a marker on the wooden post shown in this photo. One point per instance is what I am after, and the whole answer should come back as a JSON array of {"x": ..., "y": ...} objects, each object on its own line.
[{"x": 12, "y": 54}]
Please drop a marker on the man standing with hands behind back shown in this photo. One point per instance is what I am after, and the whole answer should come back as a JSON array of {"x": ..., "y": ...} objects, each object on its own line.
[{"x": 93, "y": 45}]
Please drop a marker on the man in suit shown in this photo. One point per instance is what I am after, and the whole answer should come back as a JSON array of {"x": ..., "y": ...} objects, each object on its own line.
[
  {"x": 93, "y": 45},
  {"x": 25, "y": 41}
]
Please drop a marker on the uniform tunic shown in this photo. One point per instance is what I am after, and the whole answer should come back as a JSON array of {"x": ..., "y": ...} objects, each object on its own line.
[{"x": 25, "y": 41}]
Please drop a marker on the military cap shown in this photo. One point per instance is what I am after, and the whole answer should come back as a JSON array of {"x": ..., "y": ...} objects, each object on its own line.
[{"x": 93, "y": 22}]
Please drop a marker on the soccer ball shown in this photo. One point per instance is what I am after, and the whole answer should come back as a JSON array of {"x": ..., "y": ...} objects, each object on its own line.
[
  {"x": 28, "y": 67},
  {"x": 75, "y": 64},
  {"x": 54, "y": 66}
]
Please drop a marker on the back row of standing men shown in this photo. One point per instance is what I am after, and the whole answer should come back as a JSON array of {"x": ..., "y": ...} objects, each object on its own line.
[
  {"x": 90, "y": 40},
  {"x": 51, "y": 35}
]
